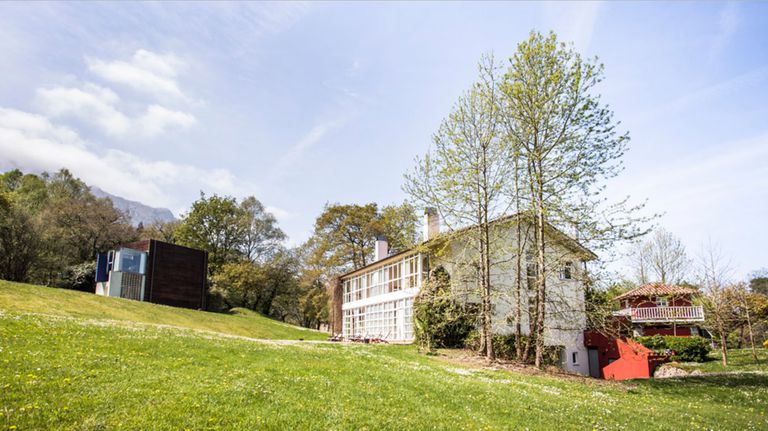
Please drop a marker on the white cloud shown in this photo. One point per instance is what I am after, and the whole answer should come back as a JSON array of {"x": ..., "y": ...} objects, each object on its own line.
[
  {"x": 146, "y": 72},
  {"x": 91, "y": 103},
  {"x": 98, "y": 105},
  {"x": 157, "y": 119},
  {"x": 33, "y": 143}
]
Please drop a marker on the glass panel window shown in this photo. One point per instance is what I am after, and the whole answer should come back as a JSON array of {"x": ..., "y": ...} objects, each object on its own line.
[
  {"x": 129, "y": 260},
  {"x": 394, "y": 282},
  {"x": 411, "y": 272}
]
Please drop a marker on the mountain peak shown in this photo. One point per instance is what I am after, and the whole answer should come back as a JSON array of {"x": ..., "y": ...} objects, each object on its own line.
[{"x": 136, "y": 211}]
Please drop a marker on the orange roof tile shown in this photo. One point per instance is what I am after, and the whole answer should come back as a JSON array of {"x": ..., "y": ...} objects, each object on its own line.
[{"x": 657, "y": 289}]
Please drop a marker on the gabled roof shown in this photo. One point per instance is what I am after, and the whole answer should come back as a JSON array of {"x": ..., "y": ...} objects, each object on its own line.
[
  {"x": 563, "y": 238},
  {"x": 657, "y": 289}
]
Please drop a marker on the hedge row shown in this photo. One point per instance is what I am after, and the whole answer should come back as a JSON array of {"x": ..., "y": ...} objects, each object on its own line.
[{"x": 686, "y": 349}]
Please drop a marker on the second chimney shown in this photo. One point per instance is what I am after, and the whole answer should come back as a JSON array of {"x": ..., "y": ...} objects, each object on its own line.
[
  {"x": 381, "y": 250},
  {"x": 431, "y": 224}
]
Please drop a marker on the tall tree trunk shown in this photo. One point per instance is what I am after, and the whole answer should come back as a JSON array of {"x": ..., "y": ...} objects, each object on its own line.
[
  {"x": 749, "y": 330},
  {"x": 723, "y": 345},
  {"x": 519, "y": 270},
  {"x": 541, "y": 284}
]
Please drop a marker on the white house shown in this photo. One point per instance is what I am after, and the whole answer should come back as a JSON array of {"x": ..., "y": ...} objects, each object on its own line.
[{"x": 378, "y": 298}]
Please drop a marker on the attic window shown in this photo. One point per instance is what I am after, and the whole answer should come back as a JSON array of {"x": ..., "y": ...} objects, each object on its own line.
[{"x": 566, "y": 273}]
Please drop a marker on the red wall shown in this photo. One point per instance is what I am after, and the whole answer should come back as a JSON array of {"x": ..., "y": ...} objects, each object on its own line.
[
  {"x": 607, "y": 349},
  {"x": 636, "y": 362}
]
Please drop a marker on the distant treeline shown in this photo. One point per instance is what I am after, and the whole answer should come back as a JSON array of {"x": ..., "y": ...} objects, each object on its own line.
[{"x": 52, "y": 226}]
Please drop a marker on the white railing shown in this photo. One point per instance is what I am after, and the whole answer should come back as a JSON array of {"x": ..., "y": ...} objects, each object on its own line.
[{"x": 664, "y": 314}]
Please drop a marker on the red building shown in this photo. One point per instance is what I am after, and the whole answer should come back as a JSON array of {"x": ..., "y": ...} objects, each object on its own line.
[
  {"x": 661, "y": 309},
  {"x": 648, "y": 310}
]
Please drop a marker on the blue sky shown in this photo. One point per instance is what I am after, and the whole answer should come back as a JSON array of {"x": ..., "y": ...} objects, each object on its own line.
[{"x": 303, "y": 104}]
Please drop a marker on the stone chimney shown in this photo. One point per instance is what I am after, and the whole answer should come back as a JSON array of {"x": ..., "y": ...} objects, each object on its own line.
[
  {"x": 431, "y": 224},
  {"x": 381, "y": 250}
]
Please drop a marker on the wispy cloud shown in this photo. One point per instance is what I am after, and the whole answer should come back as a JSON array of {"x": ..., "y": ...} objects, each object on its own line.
[
  {"x": 749, "y": 79},
  {"x": 146, "y": 72},
  {"x": 297, "y": 150},
  {"x": 573, "y": 22},
  {"x": 727, "y": 25}
]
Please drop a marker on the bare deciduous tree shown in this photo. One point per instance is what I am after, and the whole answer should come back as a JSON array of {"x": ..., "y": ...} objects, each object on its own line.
[
  {"x": 719, "y": 296},
  {"x": 661, "y": 258}
]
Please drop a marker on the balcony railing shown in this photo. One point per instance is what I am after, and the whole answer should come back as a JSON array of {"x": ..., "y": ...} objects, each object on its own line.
[{"x": 663, "y": 314}]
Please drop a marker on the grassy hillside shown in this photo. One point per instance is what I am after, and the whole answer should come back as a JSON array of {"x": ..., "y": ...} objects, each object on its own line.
[
  {"x": 26, "y": 298},
  {"x": 88, "y": 374},
  {"x": 78, "y": 374}
]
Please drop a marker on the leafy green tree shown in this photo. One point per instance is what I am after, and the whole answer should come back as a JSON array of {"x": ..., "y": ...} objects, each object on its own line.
[
  {"x": 77, "y": 224},
  {"x": 313, "y": 305},
  {"x": 439, "y": 319},
  {"x": 214, "y": 224},
  {"x": 345, "y": 235},
  {"x": 238, "y": 283},
  {"x": 229, "y": 231},
  {"x": 55, "y": 225},
  {"x": 758, "y": 282},
  {"x": 19, "y": 241},
  {"x": 464, "y": 177},
  {"x": 262, "y": 237},
  {"x": 568, "y": 144},
  {"x": 161, "y": 231}
]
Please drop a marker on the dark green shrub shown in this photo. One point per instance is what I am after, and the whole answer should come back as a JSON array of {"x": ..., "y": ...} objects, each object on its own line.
[
  {"x": 691, "y": 349},
  {"x": 440, "y": 320},
  {"x": 653, "y": 342},
  {"x": 686, "y": 349}
]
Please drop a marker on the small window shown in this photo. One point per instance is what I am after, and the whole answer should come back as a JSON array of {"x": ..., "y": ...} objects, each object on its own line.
[
  {"x": 567, "y": 271},
  {"x": 531, "y": 270},
  {"x": 661, "y": 301},
  {"x": 575, "y": 357}
]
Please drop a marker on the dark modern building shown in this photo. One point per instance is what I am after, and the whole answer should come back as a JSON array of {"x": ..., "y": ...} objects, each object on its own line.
[{"x": 154, "y": 271}]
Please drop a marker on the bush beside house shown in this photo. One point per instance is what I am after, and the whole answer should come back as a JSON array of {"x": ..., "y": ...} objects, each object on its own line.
[{"x": 686, "y": 349}]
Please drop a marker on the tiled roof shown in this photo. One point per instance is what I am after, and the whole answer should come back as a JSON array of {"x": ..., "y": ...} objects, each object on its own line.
[{"x": 657, "y": 289}]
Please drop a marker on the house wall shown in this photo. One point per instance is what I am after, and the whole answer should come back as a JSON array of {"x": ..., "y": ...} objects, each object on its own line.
[
  {"x": 378, "y": 302},
  {"x": 565, "y": 319}
]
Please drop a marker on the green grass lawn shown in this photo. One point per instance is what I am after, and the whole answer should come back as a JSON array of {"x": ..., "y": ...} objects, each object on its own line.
[
  {"x": 738, "y": 360},
  {"x": 82, "y": 373},
  {"x": 26, "y": 298}
]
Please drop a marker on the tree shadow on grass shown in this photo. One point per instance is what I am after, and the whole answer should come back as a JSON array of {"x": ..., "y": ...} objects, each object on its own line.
[{"x": 717, "y": 380}]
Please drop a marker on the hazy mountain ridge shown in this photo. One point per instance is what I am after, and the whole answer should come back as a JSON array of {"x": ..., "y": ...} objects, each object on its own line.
[{"x": 137, "y": 211}]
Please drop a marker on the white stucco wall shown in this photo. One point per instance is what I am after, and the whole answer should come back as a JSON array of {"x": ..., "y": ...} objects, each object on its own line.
[{"x": 565, "y": 307}]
